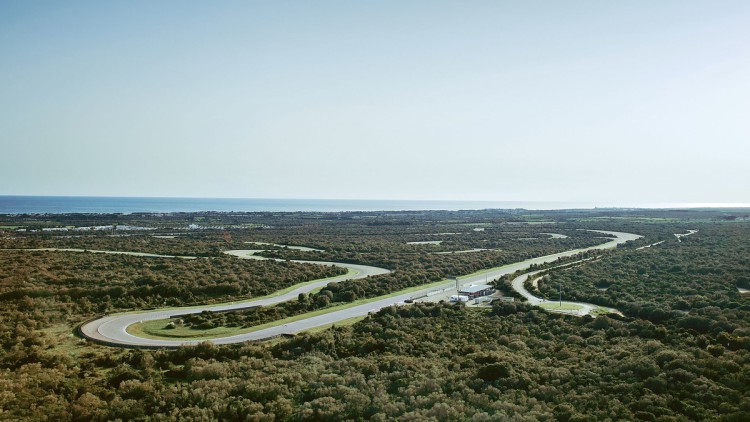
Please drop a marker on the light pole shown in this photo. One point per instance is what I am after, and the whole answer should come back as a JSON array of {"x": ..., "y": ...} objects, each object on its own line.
[{"x": 560, "y": 286}]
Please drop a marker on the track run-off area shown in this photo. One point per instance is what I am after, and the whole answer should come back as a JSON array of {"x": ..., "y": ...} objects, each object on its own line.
[{"x": 113, "y": 329}]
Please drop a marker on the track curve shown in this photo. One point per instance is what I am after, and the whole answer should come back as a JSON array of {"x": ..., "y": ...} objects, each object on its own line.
[{"x": 112, "y": 329}]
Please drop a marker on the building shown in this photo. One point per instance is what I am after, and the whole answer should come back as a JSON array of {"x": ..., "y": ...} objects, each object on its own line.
[
  {"x": 479, "y": 290},
  {"x": 459, "y": 298}
]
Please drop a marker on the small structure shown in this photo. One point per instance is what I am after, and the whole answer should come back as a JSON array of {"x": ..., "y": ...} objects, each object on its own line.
[
  {"x": 459, "y": 298},
  {"x": 479, "y": 290}
]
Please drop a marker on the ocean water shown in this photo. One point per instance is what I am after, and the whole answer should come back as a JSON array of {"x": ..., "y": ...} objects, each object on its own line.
[{"x": 126, "y": 205}]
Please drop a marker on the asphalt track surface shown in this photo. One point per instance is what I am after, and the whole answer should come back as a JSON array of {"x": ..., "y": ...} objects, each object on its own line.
[
  {"x": 112, "y": 329},
  {"x": 585, "y": 308}
]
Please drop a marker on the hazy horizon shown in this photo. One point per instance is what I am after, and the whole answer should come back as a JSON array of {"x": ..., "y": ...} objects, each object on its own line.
[
  {"x": 128, "y": 205},
  {"x": 628, "y": 103}
]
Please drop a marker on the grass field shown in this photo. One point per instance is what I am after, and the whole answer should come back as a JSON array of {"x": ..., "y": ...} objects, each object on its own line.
[{"x": 557, "y": 306}]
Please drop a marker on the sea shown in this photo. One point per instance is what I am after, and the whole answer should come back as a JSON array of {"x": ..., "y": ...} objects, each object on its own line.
[{"x": 128, "y": 205}]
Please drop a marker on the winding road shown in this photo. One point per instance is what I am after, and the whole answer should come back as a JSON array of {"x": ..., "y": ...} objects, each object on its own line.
[
  {"x": 582, "y": 309},
  {"x": 112, "y": 329}
]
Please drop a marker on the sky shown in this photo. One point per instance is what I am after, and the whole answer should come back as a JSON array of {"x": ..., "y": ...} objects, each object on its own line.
[{"x": 626, "y": 102}]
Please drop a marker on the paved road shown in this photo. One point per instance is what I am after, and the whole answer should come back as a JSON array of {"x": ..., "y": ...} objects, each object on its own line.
[
  {"x": 689, "y": 232},
  {"x": 585, "y": 308},
  {"x": 112, "y": 329}
]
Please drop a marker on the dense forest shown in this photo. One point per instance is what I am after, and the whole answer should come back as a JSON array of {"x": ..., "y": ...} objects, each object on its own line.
[{"x": 681, "y": 352}]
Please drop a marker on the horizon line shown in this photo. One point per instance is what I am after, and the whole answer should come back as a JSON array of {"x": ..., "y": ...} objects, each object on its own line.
[{"x": 572, "y": 203}]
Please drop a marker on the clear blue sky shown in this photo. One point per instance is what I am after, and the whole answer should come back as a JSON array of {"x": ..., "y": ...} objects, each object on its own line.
[{"x": 602, "y": 101}]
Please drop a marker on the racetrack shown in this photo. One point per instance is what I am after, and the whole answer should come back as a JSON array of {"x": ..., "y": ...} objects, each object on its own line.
[
  {"x": 564, "y": 307},
  {"x": 112, "y": 329}
]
